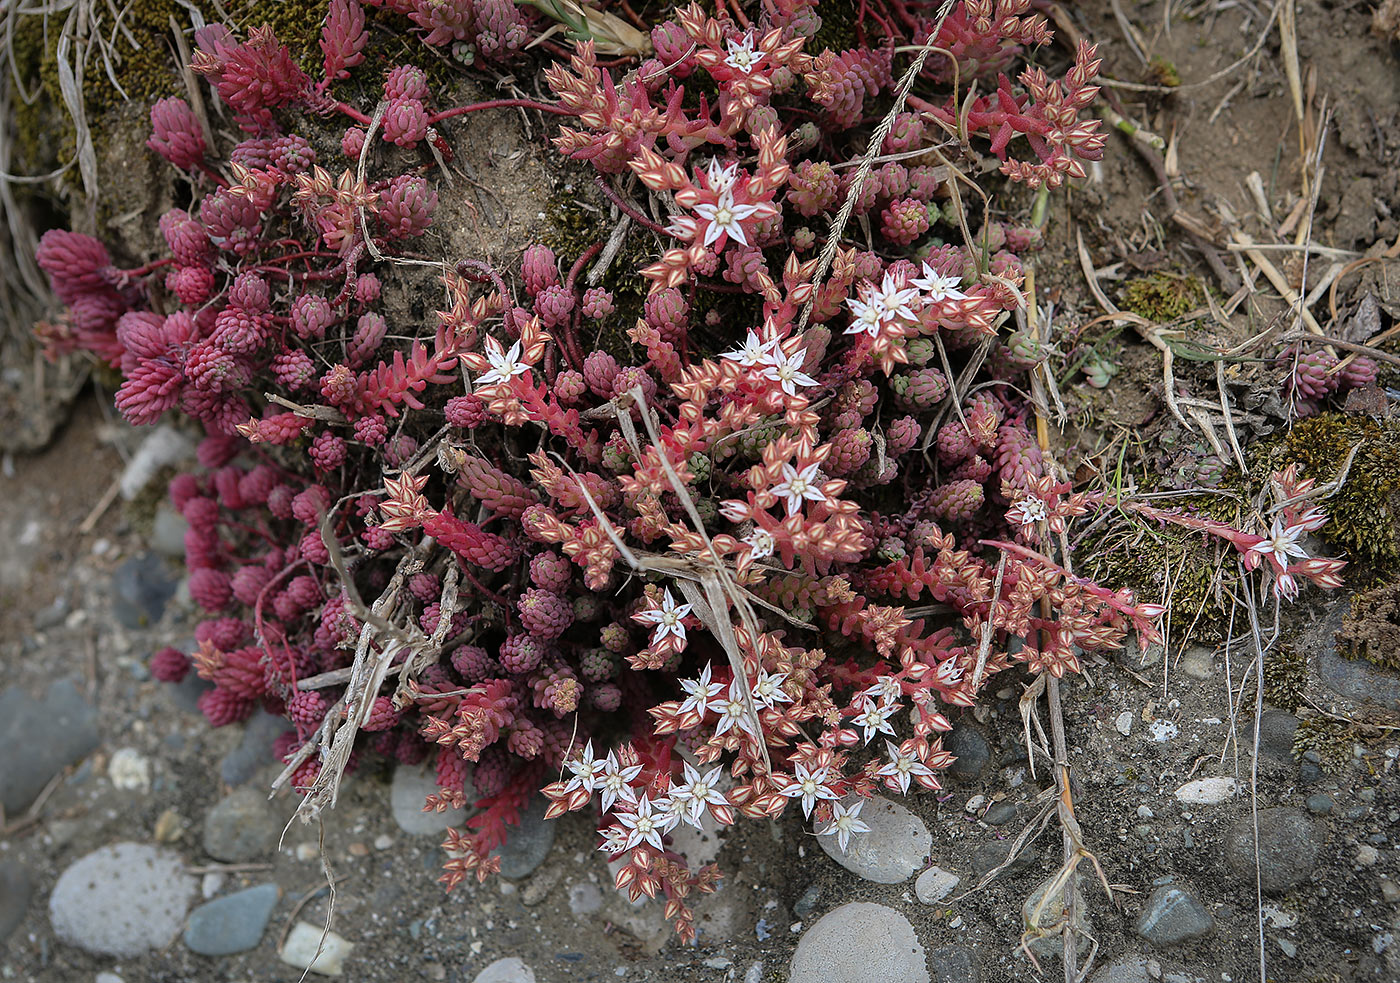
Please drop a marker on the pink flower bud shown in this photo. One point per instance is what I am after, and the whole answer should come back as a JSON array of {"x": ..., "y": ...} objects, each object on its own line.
[
  {"x": 538, "y": 268},
  {"x": 74, "y": 263},
  {"x": 405, "y": 122},
  {"x": 406, "y": 82},
  {"x": 406, "y": 206},
  {"x": 554, "y": 304},
  {"x": 176, "y": 134}
]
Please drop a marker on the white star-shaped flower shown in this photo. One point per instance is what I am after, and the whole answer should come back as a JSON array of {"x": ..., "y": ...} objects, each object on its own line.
[
  {"x": 1283, "y": 542},
  {"x": 874, "y": 717},
  {"x": 586, "y": 770},
  {"x": 742, "y": 57},
  {"x": 866, "y": 317},
  {"x": 886, "y": 689},
  {"x": 733, "y": 711},
  {"x": 698, "y": 693},
  {"x": 809, "y": 786},
  {"x": 505, "y": 365},
  {"x": 798, "y": 486},
  {"x": 752, "y": 352},
  {"x": 667, "y": 618},
  {"x": 902, "y": 767},
  {"x": 768, "y": 689},
  {"x": 761, "y": 544},
  {"x": 895, "y": 300},
  {"x": 786, "y": 370},
  {"x": 643, "y": 825},
  {"x": 615, "y": 782},
  {"x": 937, "y": 287},
  {"x": 697, "y": 792},
  {"x": 844, "y": 822},
  {"x": 723, "y": 217}
]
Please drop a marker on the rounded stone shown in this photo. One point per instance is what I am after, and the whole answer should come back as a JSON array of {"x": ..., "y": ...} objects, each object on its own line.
[
  {"x": 527, "y": 844},
  {"x": 1207, "y": 791},
  {"x": 1173, "y": 914},
  {"x": 407, "y": 794},
  {"x": 1288, "y": 849},
  {"x": 895, "y": 847},
  {"x": 857, "y": 942},
  {"x": 231, "y": 924},
  {"x": 935, "y": 884},
  {"x": 972, "y": 750},
  {"x": 122, "y": 900},
  {"x": 509, "y": 970},
  {"x": 241, "y": 827}
]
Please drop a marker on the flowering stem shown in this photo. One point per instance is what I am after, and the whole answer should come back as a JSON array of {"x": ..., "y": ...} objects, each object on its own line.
[
  {"x": 627, "y": 208},
  {"x": 353, "y": 113},
  {"x": 149, "y": 267},
  {"x": 543, "y": 107}
]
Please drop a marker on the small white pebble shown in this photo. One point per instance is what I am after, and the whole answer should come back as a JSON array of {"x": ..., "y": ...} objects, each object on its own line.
[
  {"x": 957, "y": 922},
  {"x": 383, "y": 841},
  {"x": 211, "y": 884},
  {"x": 1144, "y": 812},
  {"x": 1123, "y": 723},
  {"x": 1163, "y": 730},
  {"x": 976, "y": 803},
  {"x": 307, "y": 852}
]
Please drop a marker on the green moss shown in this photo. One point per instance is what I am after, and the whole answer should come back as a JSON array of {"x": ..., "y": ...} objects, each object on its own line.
[
  {"x": 1140, "y": 558},
  {"x": 838, "y": 30},
  {"x": 1332, "y": 740},
  {"x": 1362, "y": 514},
  {"x": 1285, "y": 676},
  {"x": 1162, "y": 72},
  {"x": 1162, "y": 296}
]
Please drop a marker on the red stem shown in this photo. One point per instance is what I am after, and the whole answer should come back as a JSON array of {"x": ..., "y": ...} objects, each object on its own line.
[
  {"x": 626, "y": 207},
  {"x": 214, "y": 175},
  {"x": 149, "y": 267},
  {"x": 572, "y": 351},
  {"x": 353, "y": 113}
]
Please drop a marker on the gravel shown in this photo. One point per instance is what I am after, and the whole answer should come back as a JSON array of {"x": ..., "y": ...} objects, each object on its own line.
[
  {"x": 141, "y": 588},
  {"x": 858, "y": 942},
  {"x": 895, "y": 847},
  {"x": 232, "y": 924},
  {"x": 39, "y": 738},
  {"x": 121, "y": 900},
  {"x": 954, "y": 964}
]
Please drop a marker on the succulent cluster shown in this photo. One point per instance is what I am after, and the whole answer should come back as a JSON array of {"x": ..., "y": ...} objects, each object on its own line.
[{"x": 504, "y": 546}]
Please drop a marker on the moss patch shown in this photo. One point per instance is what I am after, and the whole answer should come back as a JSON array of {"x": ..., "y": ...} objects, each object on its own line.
[
  {"x": 1162, "y": 296},
  {"x": 1362, "y": 515},
  {"x": 1332, "y": 740},
  {"x": 1370, "y": 629},
  {"x": 1285, "y": 676}
]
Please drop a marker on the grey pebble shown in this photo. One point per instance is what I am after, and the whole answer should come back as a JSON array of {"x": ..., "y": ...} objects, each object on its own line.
[
  {"x": 895, "y": 847},
  {"x": 857, "y": 942},
  {"x": 168, "y": 532},
  {"x": 39, "y": 738},
  {"x": 52, "y": 614},
  {"x": 241, "y": 827},
  {"x": 16, "y": 888},
  {"x": 232, "y": 924},
  {"x": 1045, "y": 908},
  {"x": 1288, "y": 849},
  {"x": 141, "y": 588},
  {"x": 1000, "y": 813},
  {"x": 1276, "y": 730},
  {"x": 528, "y": 844},
  {"x": 806, "y": 902},
  {"x": 510, "y": 970},
  {"x": 1358, "y": 679},
  {"x": 1198, "y": 662},
  {"x": 990, "y": 855},
  {"x": 972, "y": 750},
  {"x": 1321, "y": 804},
  {"x": 954, "y": 964},
  {"x": 254, "y": 750},
  {"x": 1173, "y": 914},
  {"x": 121, "y": 900},
  {"x": 585, "y": 898},
  {"x": 408, "y": 791}
]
